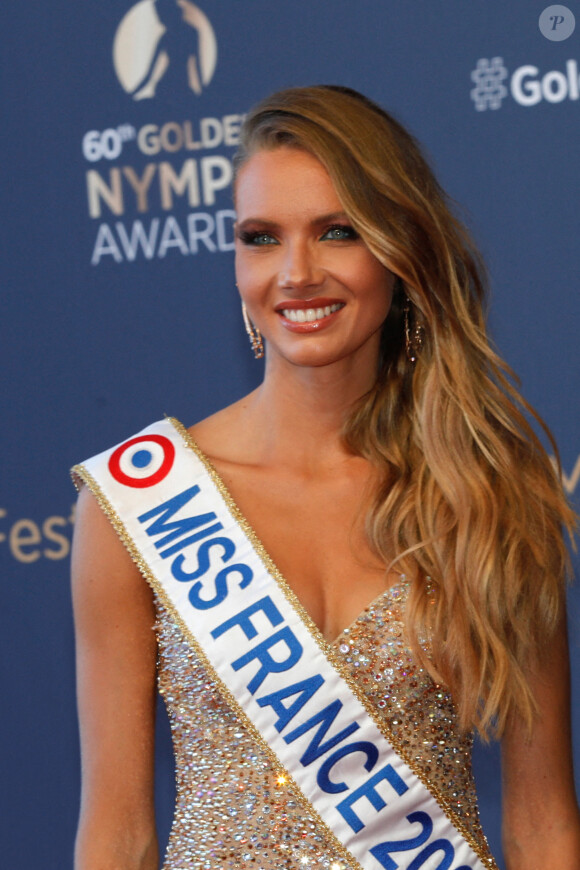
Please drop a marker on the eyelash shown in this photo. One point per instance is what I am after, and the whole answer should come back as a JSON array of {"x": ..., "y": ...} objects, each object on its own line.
[
  {"x": 251, "y": 238},
  {"x": 350, "y": 232}
]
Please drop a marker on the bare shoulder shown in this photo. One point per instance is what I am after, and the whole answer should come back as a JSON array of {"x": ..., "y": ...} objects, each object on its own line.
[
  {"x": 228, "y": 434},
  {"x": 106, "y": 583},
  {"x": 95, "y": 535}
]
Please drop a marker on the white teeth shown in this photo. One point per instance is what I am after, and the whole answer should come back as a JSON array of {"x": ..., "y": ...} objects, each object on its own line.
[{"x": 308, "y": 315}]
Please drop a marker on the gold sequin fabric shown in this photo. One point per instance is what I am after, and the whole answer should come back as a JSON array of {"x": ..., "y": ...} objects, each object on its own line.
[{"x": 234, "y": 811}]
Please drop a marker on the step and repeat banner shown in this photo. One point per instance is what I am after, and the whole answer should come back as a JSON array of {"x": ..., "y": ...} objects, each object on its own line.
[{"x": 120, "y": 121}]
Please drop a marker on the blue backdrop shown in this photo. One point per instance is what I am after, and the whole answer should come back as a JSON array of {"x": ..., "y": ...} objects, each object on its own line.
[{"x": 118, "y": 298}]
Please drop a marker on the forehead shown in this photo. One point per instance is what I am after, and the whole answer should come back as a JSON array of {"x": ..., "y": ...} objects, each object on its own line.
[{"x": 284, "y": 178}]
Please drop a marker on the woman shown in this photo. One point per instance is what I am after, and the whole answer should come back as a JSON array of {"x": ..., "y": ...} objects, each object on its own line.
[{"x": 413, "y": 520}]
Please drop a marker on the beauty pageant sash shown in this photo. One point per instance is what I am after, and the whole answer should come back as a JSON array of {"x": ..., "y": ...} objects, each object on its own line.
[{"x": 184, "y": 532}]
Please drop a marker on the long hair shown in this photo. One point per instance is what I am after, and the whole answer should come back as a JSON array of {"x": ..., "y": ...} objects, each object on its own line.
[{"x": 467, "y": 502}]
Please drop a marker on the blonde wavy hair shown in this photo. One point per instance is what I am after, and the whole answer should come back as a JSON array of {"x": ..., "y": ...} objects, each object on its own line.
[{"x": 467, "y": 502}]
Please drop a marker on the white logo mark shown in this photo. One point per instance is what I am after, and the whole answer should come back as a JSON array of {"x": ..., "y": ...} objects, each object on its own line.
[
  {"x": 162, "y": 45},
  {"x": 489, "y": 89},
  {"x": 557, "y": 23}
]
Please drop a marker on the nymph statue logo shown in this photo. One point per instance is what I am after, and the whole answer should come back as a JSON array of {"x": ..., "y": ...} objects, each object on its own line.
[{"x": 164, "y": 46}]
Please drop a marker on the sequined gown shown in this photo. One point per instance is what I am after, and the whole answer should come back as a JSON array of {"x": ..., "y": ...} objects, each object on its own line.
[{"x": 232, "y": 811}]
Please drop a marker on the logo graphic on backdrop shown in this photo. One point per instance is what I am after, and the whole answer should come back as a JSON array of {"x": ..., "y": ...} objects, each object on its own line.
[
  {"x": 528, "y": 85},
  {"x": 489, "y": 89},
  {"x": 557, "y": 23},
  {"x": 164, "y": 46},
  {"x": 162, "y": 189}
]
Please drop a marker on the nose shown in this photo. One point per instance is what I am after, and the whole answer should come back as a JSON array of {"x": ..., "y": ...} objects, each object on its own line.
[{"x": 299, "y": 269}]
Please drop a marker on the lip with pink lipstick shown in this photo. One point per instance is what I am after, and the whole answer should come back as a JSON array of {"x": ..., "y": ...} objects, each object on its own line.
[{"x": 308, "y": 315}]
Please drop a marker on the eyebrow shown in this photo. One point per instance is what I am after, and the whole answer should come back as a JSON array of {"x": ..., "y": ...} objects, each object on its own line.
[{"x": 273, "y": 225}]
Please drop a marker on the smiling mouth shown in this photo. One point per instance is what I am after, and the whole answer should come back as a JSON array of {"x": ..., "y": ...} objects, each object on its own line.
[{"x": 309, "y": 315}]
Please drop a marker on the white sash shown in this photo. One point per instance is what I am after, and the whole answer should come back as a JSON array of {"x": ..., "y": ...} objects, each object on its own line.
[{"x": 179, "y": 523}]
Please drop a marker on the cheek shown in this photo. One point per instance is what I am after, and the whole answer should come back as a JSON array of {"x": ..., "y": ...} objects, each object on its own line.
[
  {"x": 245, "y": 272},
  {"x": 248, "y": 280},
  {"x": 382, "y": 300},
  {"x": 379, "y": 284},
  {"x": 252, "y": 267},
  {"x": 369, "y": 269}
]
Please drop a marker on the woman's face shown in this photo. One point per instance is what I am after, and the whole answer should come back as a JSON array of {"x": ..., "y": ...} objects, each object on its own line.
[{"x": 310, "y": 283}]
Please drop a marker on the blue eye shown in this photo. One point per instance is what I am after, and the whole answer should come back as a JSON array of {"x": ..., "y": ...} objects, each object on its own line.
[
  {"x": 248, "y": 238},
  {"x": 340, "y": 233}
]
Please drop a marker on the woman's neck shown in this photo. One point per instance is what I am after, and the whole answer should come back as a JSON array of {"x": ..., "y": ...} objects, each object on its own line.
[{"x": 297, "y": 414}]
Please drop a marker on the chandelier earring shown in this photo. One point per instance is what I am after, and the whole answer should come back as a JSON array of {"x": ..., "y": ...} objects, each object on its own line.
[
  {"x": 413, "y": 334},
  {"x": 254, "y": 334}
]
